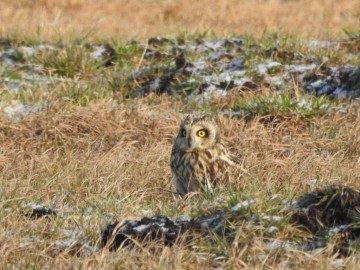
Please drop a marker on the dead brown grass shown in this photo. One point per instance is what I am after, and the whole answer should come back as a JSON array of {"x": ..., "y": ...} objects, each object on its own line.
[
  {"x": 98, "y": 155},
  {"x": 106, "y": 158},
  {"x": 143, "y": 19},
  {"x": 275, "y": 148}
]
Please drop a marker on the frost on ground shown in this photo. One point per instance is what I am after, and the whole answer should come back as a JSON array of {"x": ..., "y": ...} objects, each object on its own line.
[
  {"x": 74, "y": 243},
  {"x": 166, "y": 229},
  {"x": 326, "y": 213},
  {"x": 200, "y": 69},
  {"x": 157, "y": 228},
  {"x": 242, "y": 205},
  {"x": 16, "y": 110},
  {"x": 220, "y": 66},
  {"x": 219, "y": 69},
  {"x": 35, "y": 211}
]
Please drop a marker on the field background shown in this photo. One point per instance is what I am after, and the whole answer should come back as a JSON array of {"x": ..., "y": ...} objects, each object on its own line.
[
  {"x": 144, "y": 19},
  {"x": 95, "y": 156}
]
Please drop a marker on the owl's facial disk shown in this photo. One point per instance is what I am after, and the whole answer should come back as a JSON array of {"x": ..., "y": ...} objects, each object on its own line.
[{"x": 196, "y": 136}]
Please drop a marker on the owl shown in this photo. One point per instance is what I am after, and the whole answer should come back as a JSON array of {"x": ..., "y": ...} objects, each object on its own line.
[{"x": 199, "y": 158}]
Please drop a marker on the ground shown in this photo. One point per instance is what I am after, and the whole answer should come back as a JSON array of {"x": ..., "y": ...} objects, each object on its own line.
[{"x": 88, "y": 119}]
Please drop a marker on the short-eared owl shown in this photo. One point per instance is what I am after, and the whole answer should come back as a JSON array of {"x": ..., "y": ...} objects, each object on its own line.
[{"x": 198, "y": 158}]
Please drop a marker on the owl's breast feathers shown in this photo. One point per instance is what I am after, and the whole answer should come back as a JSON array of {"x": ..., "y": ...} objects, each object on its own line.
[{"x": 196, "y": 167}]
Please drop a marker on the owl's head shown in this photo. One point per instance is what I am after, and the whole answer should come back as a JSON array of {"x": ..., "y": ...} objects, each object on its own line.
[{"x": 197, "y": 132}]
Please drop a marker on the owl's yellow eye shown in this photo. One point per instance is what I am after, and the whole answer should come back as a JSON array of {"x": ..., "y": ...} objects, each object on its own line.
[{"x": 201, "y": 133}]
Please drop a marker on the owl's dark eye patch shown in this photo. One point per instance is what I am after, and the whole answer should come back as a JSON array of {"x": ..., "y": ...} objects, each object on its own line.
[
  {"x": 183, "y": 132},
  {"x": 202, "y": 133}
]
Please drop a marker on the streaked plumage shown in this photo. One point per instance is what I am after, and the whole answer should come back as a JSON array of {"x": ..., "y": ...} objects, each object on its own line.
[{"x": 199, "y": 158}]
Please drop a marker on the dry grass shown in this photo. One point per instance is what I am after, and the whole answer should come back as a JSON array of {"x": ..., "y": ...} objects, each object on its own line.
[
  {"x": 86, "y": 162},
  {"x": 144, "y": 19},
  {"x": 95, "y": 158}
]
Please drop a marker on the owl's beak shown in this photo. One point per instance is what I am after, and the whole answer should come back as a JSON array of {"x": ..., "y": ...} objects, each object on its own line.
[{"x": 189, "y": 141}]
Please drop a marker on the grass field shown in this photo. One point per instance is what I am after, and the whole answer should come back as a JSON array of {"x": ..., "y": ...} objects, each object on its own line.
[
  {"x": 79, "y": 137},
  {"x": 143, "y": 19}
]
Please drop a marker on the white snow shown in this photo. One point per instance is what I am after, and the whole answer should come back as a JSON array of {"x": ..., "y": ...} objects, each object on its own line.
[
  {"x": 321, "y": 44},
  {"x": 263, "y": 68},
  {"x": 300, "y": 68},
  {"x": 18, "y": 109},
  {"x": 271, "y": 218},
  {"x": 27, "y": 51},
  {"x": 277, "y": 244},
  {"x": 141, "y": 228},
  {"x": 33, "y": 205},
  {"x": 98, "y": 52},
  {"x": 243, "y": 204},
  {"x": 273, "y": 229}
]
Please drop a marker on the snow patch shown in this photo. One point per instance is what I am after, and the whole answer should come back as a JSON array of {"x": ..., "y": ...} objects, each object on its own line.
[
  {"x": 241, "y": 205},
  {"x": 262, "y": 69},
  {"x": 17, "y": 109}
]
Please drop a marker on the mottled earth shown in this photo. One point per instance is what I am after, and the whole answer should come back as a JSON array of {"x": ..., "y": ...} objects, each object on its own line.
[
  {"x": 195, "y": 70},
  {"x": 198, "y": 69}
]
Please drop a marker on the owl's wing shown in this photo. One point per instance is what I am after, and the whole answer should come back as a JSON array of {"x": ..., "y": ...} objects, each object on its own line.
[
  {"x": 233, "y": 161},
  {"x": 179, "y": 185},
  {"x": 227, "y": 160}
]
